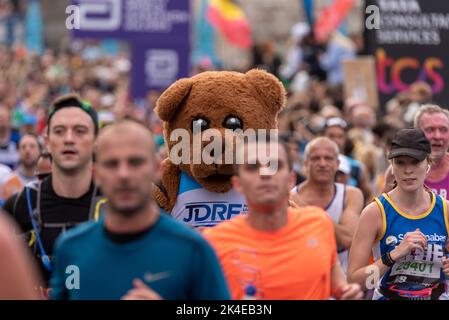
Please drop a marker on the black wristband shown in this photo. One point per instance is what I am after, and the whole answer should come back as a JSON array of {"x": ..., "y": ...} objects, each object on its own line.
[{"x": 387, "y": 260}]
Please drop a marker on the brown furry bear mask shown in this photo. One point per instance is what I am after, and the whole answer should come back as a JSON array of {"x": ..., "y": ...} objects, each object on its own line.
[{"x": 221, "y": 100}]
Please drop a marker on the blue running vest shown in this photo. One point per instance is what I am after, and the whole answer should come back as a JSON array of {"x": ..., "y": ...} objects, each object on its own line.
[{"x": 417, "y": 276}]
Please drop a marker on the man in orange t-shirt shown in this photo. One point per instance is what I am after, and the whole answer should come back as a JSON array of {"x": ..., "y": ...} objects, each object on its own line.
[{"x": 275, "y": 252}]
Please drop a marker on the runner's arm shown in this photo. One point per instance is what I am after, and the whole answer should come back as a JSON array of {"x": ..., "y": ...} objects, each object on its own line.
[
  {"x": 340, "y": 288},
  {"x": 338, "y": 279},
  {"x": 364, "y": 184},
  {"x": 369, "y": 228},
  {"x": 17, "y": 271},
  {"x": 16, "y": 207},
  {"x": 345, "y": 229}
]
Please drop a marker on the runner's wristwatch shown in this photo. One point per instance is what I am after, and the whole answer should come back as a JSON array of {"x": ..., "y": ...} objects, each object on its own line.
[{"x": 387, "y": 260}]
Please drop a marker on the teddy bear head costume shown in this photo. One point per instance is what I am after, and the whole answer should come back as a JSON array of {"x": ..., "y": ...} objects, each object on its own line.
[{"x": 224, "y": 101}]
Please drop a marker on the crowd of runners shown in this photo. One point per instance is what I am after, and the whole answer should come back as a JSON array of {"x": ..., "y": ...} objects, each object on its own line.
[{"x": 356, "y": 209}]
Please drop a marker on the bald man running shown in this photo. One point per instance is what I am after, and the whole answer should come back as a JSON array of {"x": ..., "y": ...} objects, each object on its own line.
[
  {"x": 342, "y": 203},
  {"x": 133, "y": 251}
]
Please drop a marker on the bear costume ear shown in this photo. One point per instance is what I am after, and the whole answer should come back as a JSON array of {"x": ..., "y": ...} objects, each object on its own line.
[
  {"x": 268, "y": 87},
  {"x": 172, "y": 98}
]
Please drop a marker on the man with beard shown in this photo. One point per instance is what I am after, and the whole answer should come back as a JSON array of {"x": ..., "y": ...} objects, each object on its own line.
[
  {"x": 29, "y": 150},
  {"x": 134, "y": 251}
]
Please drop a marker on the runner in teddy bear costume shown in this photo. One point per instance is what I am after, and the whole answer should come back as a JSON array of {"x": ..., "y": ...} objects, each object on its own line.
[{"x": 197, "y": 193}]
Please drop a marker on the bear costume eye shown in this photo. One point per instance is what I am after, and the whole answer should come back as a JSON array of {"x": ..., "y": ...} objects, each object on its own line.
[
  {"x": 232, "y": 123},
  {"x": 202, "y": 123}
]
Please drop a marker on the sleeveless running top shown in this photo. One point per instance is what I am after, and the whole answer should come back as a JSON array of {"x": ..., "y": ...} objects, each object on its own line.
[{"x": 419, "y": 275}]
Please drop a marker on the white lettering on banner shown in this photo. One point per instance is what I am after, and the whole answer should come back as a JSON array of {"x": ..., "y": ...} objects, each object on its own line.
[
  {"x": 152, "y": 16},
  {"x": 420, "y": 37},
  {"x": 407, "y": 6},
  {"x": 111, "y": 8},
  {"x": 421, "y": 21},
  {"x": 130, "y": 15},
  {"x": 403, "y": 22},
  {"x": 161, "y": 67}
]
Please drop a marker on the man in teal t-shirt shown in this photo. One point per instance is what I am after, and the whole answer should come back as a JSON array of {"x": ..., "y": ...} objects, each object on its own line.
[{"x": 134, "y": 251}]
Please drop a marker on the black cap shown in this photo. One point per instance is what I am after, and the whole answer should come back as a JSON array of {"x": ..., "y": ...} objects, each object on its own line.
[{"x": 410, "y": 142}]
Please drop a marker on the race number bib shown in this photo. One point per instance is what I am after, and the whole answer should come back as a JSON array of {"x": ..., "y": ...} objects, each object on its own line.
[
  {"x": 417, "y": 268},
  {"x": 417, "y": 276}
]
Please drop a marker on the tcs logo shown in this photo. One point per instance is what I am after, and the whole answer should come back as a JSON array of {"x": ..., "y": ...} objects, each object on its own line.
[{"x": 388, "y": 68}]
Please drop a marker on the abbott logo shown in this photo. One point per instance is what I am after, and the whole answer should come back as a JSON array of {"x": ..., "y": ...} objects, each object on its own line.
[
  {"x": 161, "y": 67},
  {"x": 98, "y": 15}
]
